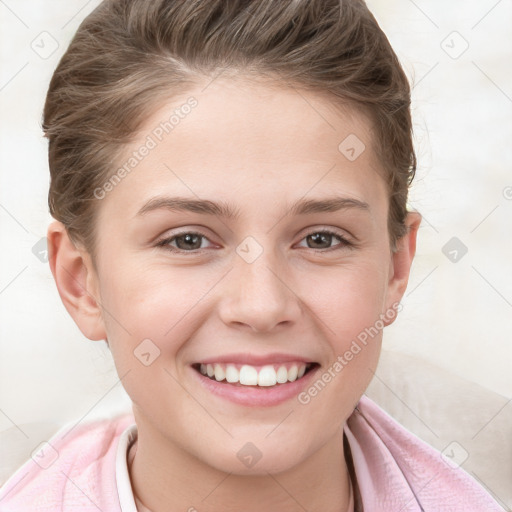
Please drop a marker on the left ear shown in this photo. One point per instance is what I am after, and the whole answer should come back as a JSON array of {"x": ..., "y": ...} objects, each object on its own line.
[{"x": 401, "y": 261}]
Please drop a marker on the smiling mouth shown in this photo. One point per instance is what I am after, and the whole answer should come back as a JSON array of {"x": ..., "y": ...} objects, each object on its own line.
[{"x": 256, "y": 376}]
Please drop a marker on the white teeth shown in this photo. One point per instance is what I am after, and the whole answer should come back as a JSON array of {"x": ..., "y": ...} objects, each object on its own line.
[
  {"x": 282, "y": 375},
  {"x": 248, "y": 375},
  {"x": 292, "y": 373},
  {"x": 219, "y": 372},
  {"x": 232, "y": 374},
  {"x": 267, "y": 376}
]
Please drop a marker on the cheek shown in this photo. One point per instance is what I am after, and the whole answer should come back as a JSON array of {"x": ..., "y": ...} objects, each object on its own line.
[
  {"x": 161, "y": 305},
  {"x": 146, "y": 321},
  {"x": 149, "y": 300},
  {"x": 348, "y": 302},
  {"x": 349, "y": 310}
]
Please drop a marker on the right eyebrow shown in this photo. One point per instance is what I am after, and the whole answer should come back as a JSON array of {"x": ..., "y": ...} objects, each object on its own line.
[{"x": 203, "y": 206}]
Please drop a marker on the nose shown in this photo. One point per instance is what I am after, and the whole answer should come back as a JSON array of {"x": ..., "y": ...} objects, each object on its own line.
[{"x": 256, "y": 295}]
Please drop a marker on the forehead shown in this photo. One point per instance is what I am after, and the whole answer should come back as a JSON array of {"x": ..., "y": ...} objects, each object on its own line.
[
  {"x": 263, "y": 121},
  {"x": 250, "y": 141}
]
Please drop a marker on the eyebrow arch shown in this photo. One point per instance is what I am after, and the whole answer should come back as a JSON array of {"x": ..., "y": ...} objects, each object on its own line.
[{"x": 224, "y": 210}]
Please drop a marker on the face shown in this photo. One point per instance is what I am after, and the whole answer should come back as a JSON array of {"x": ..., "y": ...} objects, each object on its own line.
[{"x": 260, "y": 282}]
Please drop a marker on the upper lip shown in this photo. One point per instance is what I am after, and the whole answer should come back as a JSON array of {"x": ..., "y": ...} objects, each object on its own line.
[{"x": 255, "y": 360}]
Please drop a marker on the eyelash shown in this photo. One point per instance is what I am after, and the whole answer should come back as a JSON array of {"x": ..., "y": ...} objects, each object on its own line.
[{"x": 345, "y": 244}]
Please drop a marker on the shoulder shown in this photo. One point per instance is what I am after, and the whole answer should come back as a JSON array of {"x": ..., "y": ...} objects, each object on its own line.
[
  {"x": 396, "y": 470},
  {"x": 75, "y": 467}
]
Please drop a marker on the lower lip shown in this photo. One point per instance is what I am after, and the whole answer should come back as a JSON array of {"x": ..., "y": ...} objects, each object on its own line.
[{"x": 256, "y": 396}]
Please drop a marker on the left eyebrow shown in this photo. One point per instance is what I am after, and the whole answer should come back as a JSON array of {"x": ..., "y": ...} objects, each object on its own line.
[
  {"x": 335, "y": 204},
  {"x": 222, "y": 209}
]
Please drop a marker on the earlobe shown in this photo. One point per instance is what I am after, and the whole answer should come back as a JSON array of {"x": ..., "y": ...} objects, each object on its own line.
[
  {"x": 401, "y": 261},
  {"x": 76, "y": 282}
]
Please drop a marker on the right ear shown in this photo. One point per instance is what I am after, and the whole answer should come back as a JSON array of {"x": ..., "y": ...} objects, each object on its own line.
[{"x": 76, "y": 282}]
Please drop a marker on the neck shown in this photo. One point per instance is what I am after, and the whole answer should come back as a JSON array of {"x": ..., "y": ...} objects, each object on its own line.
[{"x": 182, "y": 482}]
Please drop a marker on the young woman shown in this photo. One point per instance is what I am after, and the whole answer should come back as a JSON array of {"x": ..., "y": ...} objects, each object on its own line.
[{"x": 229, "y": 181}]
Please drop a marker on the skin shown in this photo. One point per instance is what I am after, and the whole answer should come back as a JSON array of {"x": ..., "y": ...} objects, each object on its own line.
[{"x": 259, "y": 148}]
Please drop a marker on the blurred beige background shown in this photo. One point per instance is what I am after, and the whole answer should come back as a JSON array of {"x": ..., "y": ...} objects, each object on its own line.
[{"x": 458, "y": 307}]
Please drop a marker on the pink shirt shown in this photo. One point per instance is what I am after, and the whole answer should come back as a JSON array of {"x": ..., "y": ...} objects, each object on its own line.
[{"x": 84, "y": 468}]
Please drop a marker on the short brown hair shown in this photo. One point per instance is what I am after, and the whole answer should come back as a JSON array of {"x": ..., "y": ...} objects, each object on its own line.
[{"x": 128, "y": 55}]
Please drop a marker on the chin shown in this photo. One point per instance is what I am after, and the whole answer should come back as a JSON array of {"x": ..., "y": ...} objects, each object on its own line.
[{"x": 258, "y": 458}]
